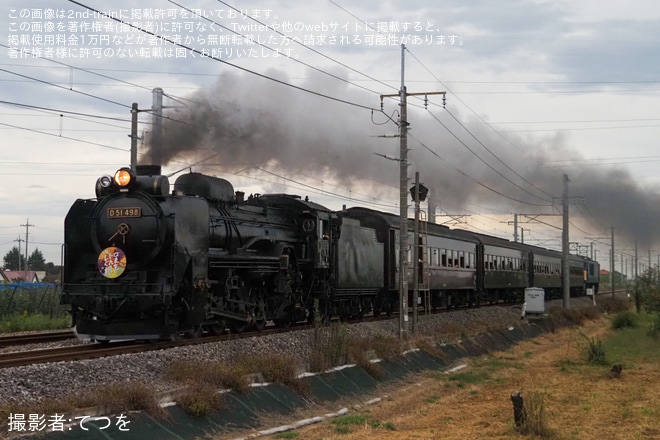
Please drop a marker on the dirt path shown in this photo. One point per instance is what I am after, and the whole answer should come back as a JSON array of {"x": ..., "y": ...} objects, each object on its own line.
[{"x": 581, "y": 401}]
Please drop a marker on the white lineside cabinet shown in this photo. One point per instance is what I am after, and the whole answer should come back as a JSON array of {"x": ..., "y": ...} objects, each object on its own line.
[{"x": 535, "y": 300}]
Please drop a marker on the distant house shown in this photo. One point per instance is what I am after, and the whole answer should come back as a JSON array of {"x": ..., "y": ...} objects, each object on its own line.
[
  {"x": 619, "y": 278},
  {"x": 10, "y": 276}
]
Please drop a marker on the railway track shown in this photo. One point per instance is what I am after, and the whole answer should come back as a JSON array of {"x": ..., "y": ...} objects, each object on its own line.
[
  {"x": 35, "y": 338},
  {"x": 98, "y": 350}
]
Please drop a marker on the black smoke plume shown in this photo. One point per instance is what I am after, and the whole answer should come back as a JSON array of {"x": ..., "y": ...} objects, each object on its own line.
[{"x": 252, "y": 123}]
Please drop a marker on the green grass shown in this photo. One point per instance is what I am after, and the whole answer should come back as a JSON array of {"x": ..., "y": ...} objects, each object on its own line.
[
  {"x": 469, "y": 377},
  {"x": 633, "y": 344},
  {"x": 624, "y": 319},
  {"x": 287, "y": 435},
  {"x": 36, "y": 322}
]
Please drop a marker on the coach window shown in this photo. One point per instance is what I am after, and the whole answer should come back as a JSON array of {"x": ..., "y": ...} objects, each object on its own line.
[
  {"x": 434, "y": 257},
  {"x": 461, "y": 259},
  {"x": 443, "y": 257}
]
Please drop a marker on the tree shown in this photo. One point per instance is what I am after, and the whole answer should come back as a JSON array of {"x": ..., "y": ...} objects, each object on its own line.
[
  {"x": 648, "y": 286},
  {"x": 36, "y": 260},
  {"x": 12, "y": 258}
]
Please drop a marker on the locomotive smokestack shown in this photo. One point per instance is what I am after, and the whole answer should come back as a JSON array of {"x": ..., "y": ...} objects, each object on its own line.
[
  {"x": 240, "y": 197},
  {"x": 432, "y": 204}
]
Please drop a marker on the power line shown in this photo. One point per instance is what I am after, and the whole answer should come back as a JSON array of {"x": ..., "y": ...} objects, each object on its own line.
[
  {"x": 481, "y": 143},
  {"x": 91, "y": 72},
  {"x": 244, "y": 69},
  {"x": 483, "y": 161},
  {"x": 64, "y": 137},
  {"x": 316, "y": 51},
  {"x": 89, "y": 115},
  {"x": 89, "y": 95},
  {"x": 273, "y": 50},
  {"x": 472, "y": 178}
]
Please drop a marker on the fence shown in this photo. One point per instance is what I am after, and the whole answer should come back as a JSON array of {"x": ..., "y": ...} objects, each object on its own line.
[{"x": 31, "y": 298}]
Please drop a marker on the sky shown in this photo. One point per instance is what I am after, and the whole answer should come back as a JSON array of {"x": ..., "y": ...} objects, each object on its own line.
[{"x": 285, "y": 96}]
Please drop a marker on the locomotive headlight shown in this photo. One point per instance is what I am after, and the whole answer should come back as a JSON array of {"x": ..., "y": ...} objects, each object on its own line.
[
  {"x": 124, "y": 177},
  {"x": 105, "y": 181}
]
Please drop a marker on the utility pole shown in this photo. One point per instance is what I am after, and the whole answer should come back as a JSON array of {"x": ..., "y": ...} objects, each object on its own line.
[
  {"x": 403, "y": 203},
  {"x": 431, "y": 207},
  {"x": 134, "y": 137},
  {"x": 27, "y": 234},
  {"x": 515, "y": 228},
  {"x": 612, "y": 264},
  {"x": 19, "y": 240},
  {"x": 564, "y": 247},
  {"x": 637, "y": 299},
  {"x": 415, "y": 272},
  {"x": 403, "y": 190},
  {"x": 157, "y": 119}
]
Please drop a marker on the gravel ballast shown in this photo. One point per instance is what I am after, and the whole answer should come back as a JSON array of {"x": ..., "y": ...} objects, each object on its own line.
[{"x": 35, "y": 382}]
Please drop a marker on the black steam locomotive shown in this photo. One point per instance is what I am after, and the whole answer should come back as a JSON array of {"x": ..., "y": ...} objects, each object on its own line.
[{"x": 143, "y": 263}]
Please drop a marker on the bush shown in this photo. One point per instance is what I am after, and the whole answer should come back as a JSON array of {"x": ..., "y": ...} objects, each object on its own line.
[
  {"x": 200, "y": 400},
  {"x": 31, "y": 299},
  {"x": 613, "y": 305},
  {"x": 654, "y": 329},
  {"x": 357, "y": 353},
  {"x": 595, "y": 351},
  {"x": 625, "y": 319},
  {"x": 330, "y": 346}
]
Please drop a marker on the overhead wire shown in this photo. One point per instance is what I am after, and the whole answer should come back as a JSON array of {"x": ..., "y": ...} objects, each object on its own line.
[
  {"x": 473, "y": 179},
  {"x": 479, "y": 141},
  {"x": 236, "y": 66},
  {"x": 89, "y": 95},
  {"x": 64, "y": 137},
  {"x": 455, "y": 136},
  {"x": 314, "y": 50},
  {"x": 317, "y": 69}
]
